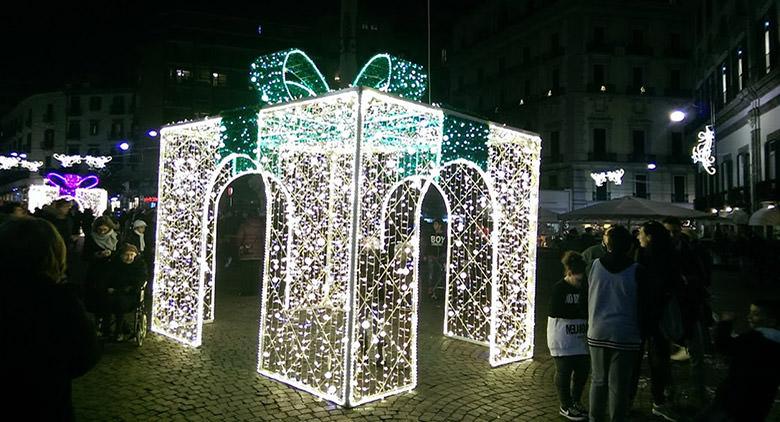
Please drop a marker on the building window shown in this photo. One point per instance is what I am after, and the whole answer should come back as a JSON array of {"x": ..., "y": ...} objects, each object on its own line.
[
  {"x": 724, "y": 81},
  {"x": 74, "y": 129},
  {"x": 93, "y": 149},
  {"x": 118, "y": 104},
  {"x": 48, "y": 117},
  {"x": 678, "y": 189},
  {"x": 599, "y": 143},
  {"x": 117, "y": 129},
  {"x": 73, "y": 149},
  {"x": 638, "y": 77},
  {"x": 556, "y": 80},
  {"x": 75, "y": 105},
  {"x": 601, "y": 194},
  {"x": 527, "y": 88},
  {"x": 28, "y": 144},
  {"x": 598, "y": 35},
  {"x": 95, "y": 103},
  {"x": 48, "y": 139},
  {"x": 553, "y": 181},
  {"x": 501, "y": 66},
  {"x": 740, "y": 70},
  {"x": 771, "y": 157},
  {"x": 218, "y": 79},
  {"x": 480, "y": 75},
  {"x": 640, "y": 186},
  {"x": 674, "y": 79},
  {"x": 555, "y": 43},
  {"x": 555, "y": 145},
  {"x": 94, "y": 127},
  {"x": 526, "y": 55},
  {"x": 767, "y": 47},
  {"x": 677, "y": 145},
  {"x": 638, "y": 142},
  {"x": 598, "y": 75}
]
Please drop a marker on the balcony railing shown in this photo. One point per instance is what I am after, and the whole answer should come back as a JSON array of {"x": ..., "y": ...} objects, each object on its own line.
[
  {"x": 608, "y": 88},
  {"x": 600, "y": 48},
  {"x": 641, "y": 157},
  {"x": 639, "y": 50},
  {"x": 554, "y": 158},
  {"x": 640, "y": 90},
  {"x": 645, "y": 195},
  {"x": 678, "y": 159},
  {"x": 602, "y": 156},
  {"x": 679, "y": 197},
  {"x": 605, "y": 196},
  {"x": 74, "y": 111}
]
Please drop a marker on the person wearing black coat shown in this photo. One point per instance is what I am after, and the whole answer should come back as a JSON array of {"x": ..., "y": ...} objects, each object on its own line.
[
  {"x": 127, "y": 271},
  {"x": 47, "y": 338}
]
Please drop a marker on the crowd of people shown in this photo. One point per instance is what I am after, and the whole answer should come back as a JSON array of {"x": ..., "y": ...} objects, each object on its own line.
[{"x": 642, "y": 294}]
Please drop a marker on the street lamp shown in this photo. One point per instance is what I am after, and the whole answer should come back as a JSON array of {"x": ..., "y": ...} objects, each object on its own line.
[
  {"x": 677, "y": 116},
  {"x": 124, "y": 146},
  {"x": 152, "y": 133}
]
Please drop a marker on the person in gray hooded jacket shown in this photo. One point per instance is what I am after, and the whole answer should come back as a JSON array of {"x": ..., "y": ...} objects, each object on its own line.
[{"x": 617, "y": 308}]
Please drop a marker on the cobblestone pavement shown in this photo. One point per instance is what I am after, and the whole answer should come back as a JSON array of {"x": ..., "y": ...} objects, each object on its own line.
[{"x": 163, "y": 380}]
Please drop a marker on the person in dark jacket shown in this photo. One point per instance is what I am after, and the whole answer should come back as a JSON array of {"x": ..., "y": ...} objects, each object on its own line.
[
  {"x": 566, "y": 327},
  {"x": 128, "y": 273},
  {"x": 748, "y": 391},
  {"x": 47, "y": 337},
  {"x": 99, "y": 247},
  {"x": 617, "y": 320},
  {"x": 656, "y": 254}
]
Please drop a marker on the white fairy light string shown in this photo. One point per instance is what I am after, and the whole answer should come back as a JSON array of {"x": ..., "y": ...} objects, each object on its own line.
[
  {"x": 97, "y": 162},
  {"x": 345, "y": 174},
  {"x": 9, "y": 163}
]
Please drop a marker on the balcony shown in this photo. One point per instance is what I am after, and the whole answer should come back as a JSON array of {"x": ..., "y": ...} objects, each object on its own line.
[
  {"x": 117, "y": 109},
  {"x": 641, "y": 157},
  {"x": 553, "y": 53},
  {"x": 679, "y": 197},
  {"x": 677, "y": 53},
  {"x": 678, "y": 93},
  {"x": 644, "y": 195},
  {"x": 602, "y": 156},
  {"x": 678, "y": 159},
  {"x": 48, "y": 117},
  {"x": 603, "y": 196},
  {"x": 74, "y": 111}
]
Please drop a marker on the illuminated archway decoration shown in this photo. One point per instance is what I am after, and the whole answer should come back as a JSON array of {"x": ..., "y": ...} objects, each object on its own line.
[{"x": 345, "y": 173}]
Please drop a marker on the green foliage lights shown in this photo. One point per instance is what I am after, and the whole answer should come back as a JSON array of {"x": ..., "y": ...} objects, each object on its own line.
[
  {"x": 391, "y": 74},
  {"x": 238, "y": 133},
  {"x": 465, "y": 138}
]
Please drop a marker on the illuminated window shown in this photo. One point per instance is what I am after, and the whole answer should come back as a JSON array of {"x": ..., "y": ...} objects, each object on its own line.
[
  {"x": 739, "y": 70},
  {"x": 724, "y": 84},
  {"x": 767, "y": 47}
]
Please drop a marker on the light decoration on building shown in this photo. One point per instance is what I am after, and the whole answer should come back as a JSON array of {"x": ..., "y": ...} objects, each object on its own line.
[
  {"x": 344, "y": 175},
  {"x": 39, "y": 196},
  {"x": 614, "y": 176},
  {"x": 702, "y": 151},
  {"x": 9, "y": 163},
  {"x": 96, "y": 162}
]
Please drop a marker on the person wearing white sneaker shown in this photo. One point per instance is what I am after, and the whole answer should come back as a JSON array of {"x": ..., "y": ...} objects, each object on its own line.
[{"x": 566, "y": 328}]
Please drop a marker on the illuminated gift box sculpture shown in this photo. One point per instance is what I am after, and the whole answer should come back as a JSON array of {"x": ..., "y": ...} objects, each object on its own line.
[
  {"x": 72, "y": 187},
  {"x": 345, "y": 173}
]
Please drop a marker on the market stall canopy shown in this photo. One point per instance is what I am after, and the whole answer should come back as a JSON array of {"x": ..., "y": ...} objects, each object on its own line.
[
  {"x": 767, "y": 216},
  {"x": 629, "y": 207},
  {"x": 547, "y": 216}
]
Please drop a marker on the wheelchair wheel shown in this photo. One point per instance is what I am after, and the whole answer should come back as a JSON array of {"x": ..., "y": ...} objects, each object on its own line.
[{"x": 140, "y": 326}]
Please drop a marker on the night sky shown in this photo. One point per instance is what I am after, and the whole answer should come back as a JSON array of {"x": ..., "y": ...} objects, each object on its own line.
[{"x": 48, "y": 45}]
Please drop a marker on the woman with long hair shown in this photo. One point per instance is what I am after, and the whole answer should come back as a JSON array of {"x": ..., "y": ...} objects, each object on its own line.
[
  {"x": 99, "y": 247},
  {"x": 47, "y": 337}
]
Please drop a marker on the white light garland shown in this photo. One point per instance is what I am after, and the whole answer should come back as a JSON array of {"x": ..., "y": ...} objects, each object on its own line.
[
  {"x": 97, "y": 162},
  {"x": 344, "y": 189},
  {"x": 702, "y": 151},
  {"x": 8, "y": 163},
  {"x": 614, "y": 176}
]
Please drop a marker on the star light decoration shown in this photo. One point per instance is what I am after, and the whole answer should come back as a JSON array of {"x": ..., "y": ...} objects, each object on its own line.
[{"x": 345, "y": 173}]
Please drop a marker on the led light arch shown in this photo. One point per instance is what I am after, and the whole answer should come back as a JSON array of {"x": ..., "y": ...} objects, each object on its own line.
[{"x": 345, "y": 174}]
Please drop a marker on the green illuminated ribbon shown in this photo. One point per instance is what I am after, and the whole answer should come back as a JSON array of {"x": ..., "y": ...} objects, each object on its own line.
[{"x": 290, "y": 75}]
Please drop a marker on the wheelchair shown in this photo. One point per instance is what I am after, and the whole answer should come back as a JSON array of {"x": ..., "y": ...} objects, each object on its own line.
[{"x": 134, "y": 329}]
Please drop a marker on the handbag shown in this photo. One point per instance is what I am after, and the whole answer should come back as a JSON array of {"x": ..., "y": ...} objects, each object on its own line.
[{"x": 671, "y": 324}]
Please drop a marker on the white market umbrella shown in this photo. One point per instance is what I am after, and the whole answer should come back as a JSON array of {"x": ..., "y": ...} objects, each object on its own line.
[
  {"x": 767, "y": 216},
  {"x": 629, "y": 207}
]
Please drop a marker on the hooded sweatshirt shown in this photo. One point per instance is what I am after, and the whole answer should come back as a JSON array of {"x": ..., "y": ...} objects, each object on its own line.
[
  {"x": 749, "y": 389},
  {"x": 617, "y": 303}
]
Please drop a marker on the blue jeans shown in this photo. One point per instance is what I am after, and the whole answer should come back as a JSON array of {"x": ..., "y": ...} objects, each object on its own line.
[{"x": 611, "y": 374}]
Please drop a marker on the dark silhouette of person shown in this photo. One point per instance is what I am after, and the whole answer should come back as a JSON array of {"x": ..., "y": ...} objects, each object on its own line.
[{"x": 47, "y": 337}]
